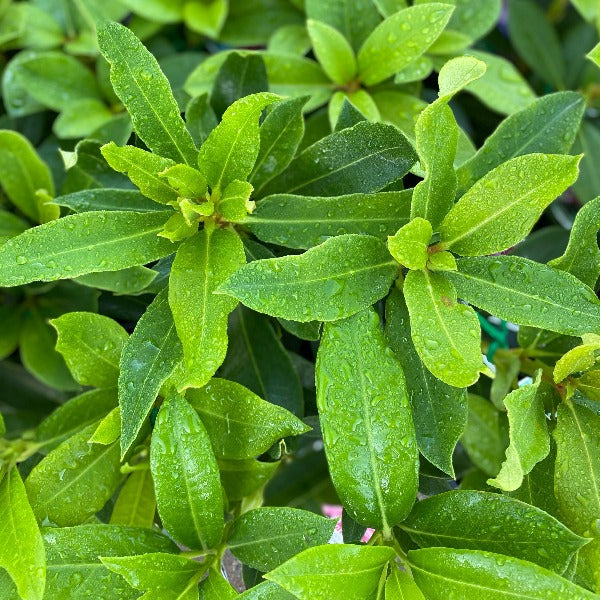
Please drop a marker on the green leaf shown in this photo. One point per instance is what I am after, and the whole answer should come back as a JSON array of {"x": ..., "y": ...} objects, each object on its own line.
[
  {"x": 239, "y": 423},
  {"x": 340, "y": 277},
  {"x": 504, "y": 205},
  {"x": 582, "y": 256},
  {"x": 135, "y": 505},
  {"x": 536, "y": 41},
  {"x": 241, "y": 478},
  {"x": 216, "y": 587},
  {"x": 159, "y": 572},
  {"x": 333, "y": 51},
  {"x": 459, "y": 72},
  {"x": 75, "y": 480},
  {"x": 23, "y": 174},
  {"x": 471, "y": 573},
  {"x": 206, "y": 18},
  {"x": 366, "y": 421},
  {"x": 349, "y": 115},
  {"x": 84, "y": 243},
  {"x": 409, "y": 245},
  {"x": 149, "y": 357},
  {"x": 306, "y": 221},
  {"x": 200, "y": 118},
  {"x": 22, "y": 549},
  {"x": 267, "y": 590},
  {"x": 231, "y": 149},
  {"x": 527, "y": 293},
  {"x": 446, "y": 334},
  {"x": 129, "y": 281},
  {"x": 361, "y": 159},
  {"x": 257, "y": 359},
  {"x": 439, "y": 410},
  {"x": 201, "y": 265},
  {"x": 483, "y": 521},
  {"x": 401, "y": 586},
  {"x": 264, "y": 538},
  {"x": 549, "y": 124},
  {"x": 91, "y": 346},
  {"x": 280, "y": 134},
  {"x": 144, "y": 90},
  {"x": 11, "y": 225},
  {"x": 400, "y": 39},
  {"x": 334, "y": 571},
  {"x": 143, "y": 169},
  {"x": 103, "y": 199},
  {"x": 529, "y": 441},
  {"x": 186, "y": 476},
  {"x": 81, "y": 119},
  {"x": 73, "y": 558},
  {"x": 109, "y": 428}
]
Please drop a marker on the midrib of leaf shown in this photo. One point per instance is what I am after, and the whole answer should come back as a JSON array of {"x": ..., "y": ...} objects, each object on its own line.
[
  {"x": 125, "y": 63},
  {"x": 93, "y": 352},
  {"x": 257, "y": 219},
  {"x": 202, "y": 409},
  {"x": 255, "y": 542},
  {"x": 137, "y": 499}
]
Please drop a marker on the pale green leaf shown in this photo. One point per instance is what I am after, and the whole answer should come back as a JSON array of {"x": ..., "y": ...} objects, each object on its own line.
[
  {"x": 409, "y": 245},
  {"x": 333, "y": 51},
  {"x": 135, "y": 505}
]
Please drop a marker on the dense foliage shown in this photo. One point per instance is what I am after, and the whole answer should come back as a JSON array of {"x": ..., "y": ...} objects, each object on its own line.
[{"x": 360, "y": 270}]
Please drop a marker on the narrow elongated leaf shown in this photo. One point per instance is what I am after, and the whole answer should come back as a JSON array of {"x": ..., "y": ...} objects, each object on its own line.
[
  {"x": 549, "y": 125},
  {"x": 527, "y": 293},
  {"x": 333, "y": 51},
  {"x": 471, "y": 573},
  {"x": 439, "y": 410},
  {"x": 334, "y": 571},
  {"x": 22, "y": 174},
  {"x": 280, "y": 135},
  {"x": 149, "y": 357},
  {"x": 145, "y": 91},
  {"x": 482, "y": 521},
  {"x": 231, "y": 149},
  {"x": 361, "y": 159},
  {"x": 186, "y": 476},
  {"x": 366, "y": 422},
  {"x": 91, "y": 346},
  {"x": 401, "y": 586},
  {"x": 22, "y": 549},
  {"x": 264, "y": 538},
  {"x": 401, "y": 39},
  {"x": 334, "y": 280},
  {"x": 135, "y": 505},
  {"x": 201, "y": 265},
  {"x": 503, "y": 206},
  {"x": 103, "y": 199},
  {"x": 306, "y": 221},
  {"x": 582, "y": 256},
  {"x": 446, "y": 334},
  {"x": 240, "y": 424},
  {"x": 84, "y": 243},
  {"x": 75, "y": 480},
  {"x": 529, "y": 441}
]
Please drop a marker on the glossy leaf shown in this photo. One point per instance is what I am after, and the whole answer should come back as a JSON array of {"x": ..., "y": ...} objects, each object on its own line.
[
  {"x": 334, "y": 280},
  {"x": 146, "y": 93},
  {"x": 366, "y": 422},
  {"x": 401, "y": 586},
  {"x": 409, "y": 245},
  {"x": 102, "y": 199},
  {"x": 333, "y": 51},
  {"x": 186, "y": 476},
  {"x": 135, "y": 505},
  {"x": 241, "y": 478}
]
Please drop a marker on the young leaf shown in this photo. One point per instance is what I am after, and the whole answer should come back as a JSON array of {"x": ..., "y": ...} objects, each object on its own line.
[
  {"x": 22, "y": 550},
  {"x": 457, "y": 73},
  {"x": 109, "y": 428},
  {"x": 529, "y": 441},
  {"x": 186, "y": 476},
  {"x": 267, "y": 590},
  {"x": 84, "y": 243},
  {"x": 264, "y": 538},
  {"x": 401, "y": 586},
  {"x": 145, "y": 91},
  {"x": 400, "y": 39},
  {"x": 75, "y": 480},
  {"x": 483, "y": 521},
  {"x": 306, "y": 221},
  {"x": 91, "y": 346},
  {"x": 216, "y": 587},
  {"x": 143, "y": 169},
  {"x": 135, "y": 505},
  {"x": 549, "y": 125},
  {"x": 22, "y": 174},
  {"x": 240, "y": 424},
  {"x": 334, "y": 571},
  {"x": 527, "y": 293},
  {"x": 231, "y": 149},
  {"x": 439, "y": 410},
  {"x": 334, "y": 280},
  {"x": 361, "y": 159},
  {"x": 149, "y": 357},
  {"x": 582, "y": 256},
  {"x": 366, "y": 421},
  {"x": 503, "y": 206},
  {"x": 201, "y": 265},
  {"x": 471, "y": 573},
  {"x": 333, "y": 51},
  {"x": 410, "y": 243},
  {"x": 446, "y": 334}
]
